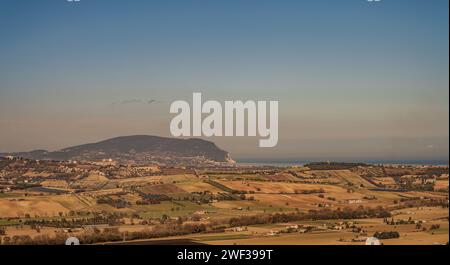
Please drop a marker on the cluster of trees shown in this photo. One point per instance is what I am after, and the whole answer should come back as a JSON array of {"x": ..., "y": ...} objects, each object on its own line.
[
  {"x": 179, "y": 228},
  {"x": 117, "y": 203},
  {"x": 436, "y": 171},
  {"x": 332, "y": 165},
  {"x": 410, "y": 185},
  {"x": 148, "y": 201},
  {"x": 422, "y": 202},
  {"x": 324, "y": 214},
  {"x": 220, "y": 186},
  {"x": 151, "y": 198},
  {"x": 164, "y": 230},
  {"x": 110, "y": 235},
  {"x": 399, "y": 222},
  {"x": 95, "y": 219},
  {"x": 58, "y": 239},
  {"x": 386, "y": 235},
  {"x": 312, "y": 191},
  {"x": 435, "y": 226}
]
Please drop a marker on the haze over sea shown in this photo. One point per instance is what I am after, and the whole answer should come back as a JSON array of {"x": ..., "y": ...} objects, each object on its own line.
[{"x": 289, "y": 162}]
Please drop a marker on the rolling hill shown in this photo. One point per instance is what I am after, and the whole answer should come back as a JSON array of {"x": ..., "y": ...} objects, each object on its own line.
[{"x": 138, "y": 149}]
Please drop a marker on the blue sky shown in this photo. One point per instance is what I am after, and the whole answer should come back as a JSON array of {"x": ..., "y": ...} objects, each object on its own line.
[{"x": 355, "y": 80}]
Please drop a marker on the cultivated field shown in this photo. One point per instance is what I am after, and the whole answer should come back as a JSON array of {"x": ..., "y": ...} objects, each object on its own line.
[{"x": 246, "y": 205}]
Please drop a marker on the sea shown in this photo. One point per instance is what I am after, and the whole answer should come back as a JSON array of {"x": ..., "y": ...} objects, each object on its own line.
[{"x": 290, "y": 163}]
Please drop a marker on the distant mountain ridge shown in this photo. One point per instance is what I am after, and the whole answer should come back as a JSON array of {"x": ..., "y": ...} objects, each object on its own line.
[{"x": 137, "y": 148}]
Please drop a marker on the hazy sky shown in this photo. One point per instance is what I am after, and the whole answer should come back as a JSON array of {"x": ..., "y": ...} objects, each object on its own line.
[{"x": 354, "y": 79}]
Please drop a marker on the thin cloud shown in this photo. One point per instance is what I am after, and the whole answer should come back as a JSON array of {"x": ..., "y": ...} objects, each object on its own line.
[
  {"x": 131, "y": 101},
  {"x": 134, "y": 101}
]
